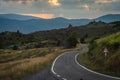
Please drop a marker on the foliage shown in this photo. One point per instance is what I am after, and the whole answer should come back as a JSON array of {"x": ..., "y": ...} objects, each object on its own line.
[
  {"x": 71, "y": 42},
  {"x": 15, "y": 47},
  {"x": 30, "y": 55},
  {"x": 57, "y": 37},
  {"x": 96, "y": 57}
]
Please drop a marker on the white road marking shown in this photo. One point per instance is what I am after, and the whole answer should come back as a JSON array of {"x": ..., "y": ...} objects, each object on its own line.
[
  {"x": 64, "y": 79},
  {"x": 58, "y": 76},
  {"x": 52, "y": 68},
  {"x": 94, "y": 71}
]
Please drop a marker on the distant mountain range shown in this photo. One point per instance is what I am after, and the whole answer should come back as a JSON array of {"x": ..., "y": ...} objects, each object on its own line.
[
  {"x": 109, "y": 18},
  {"x": 17, "y": 17},
  {"x": 28, "y": 24}
]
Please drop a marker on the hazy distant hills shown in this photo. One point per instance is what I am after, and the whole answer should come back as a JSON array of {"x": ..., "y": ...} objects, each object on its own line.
[
  {"x": 109, "y": 18},
  {"x": 27, "y": 24},
  {"x": 17, "y": 17}
]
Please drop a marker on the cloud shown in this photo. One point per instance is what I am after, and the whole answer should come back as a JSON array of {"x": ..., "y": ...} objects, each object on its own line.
[
  {"x": 101, "y": 5},
  {"x": 70, "y": 4},
  {"x": 98, "y": 1},
  {"x": 54, "y": 2},
  {"x": 113, "y": 7},
  {"x": 19, "y": 1},
  {"x": 63, "y": 8},
  {"x": 105, "y": 1},
  {"x": 87, "y": 7},
  {"x": 43, "y": 15}
]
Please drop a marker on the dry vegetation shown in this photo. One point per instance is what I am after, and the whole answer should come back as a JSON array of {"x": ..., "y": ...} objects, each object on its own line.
[{"x": 15, "y": 64}]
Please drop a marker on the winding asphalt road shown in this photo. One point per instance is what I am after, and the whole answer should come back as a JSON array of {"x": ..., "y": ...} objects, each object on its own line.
[{"x": 66, "y": 67}]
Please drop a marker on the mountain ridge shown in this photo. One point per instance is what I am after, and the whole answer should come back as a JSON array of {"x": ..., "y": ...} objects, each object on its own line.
[
  {"x": 17, "y": 16},
  {"x": 38, "y": 24}
]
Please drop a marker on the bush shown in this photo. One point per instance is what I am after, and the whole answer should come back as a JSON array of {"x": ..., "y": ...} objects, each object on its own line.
[
  {"x": 15, "y": 47},
  {"x": 113, "y": 62},
  {"x": 95, "y": 56},
  {"x": 71, "y": 42}
]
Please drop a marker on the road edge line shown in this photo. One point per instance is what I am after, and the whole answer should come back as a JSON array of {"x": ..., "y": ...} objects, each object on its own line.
[
  {"x": 94, "y": 71},
  {"x": 53, "y": 64}
]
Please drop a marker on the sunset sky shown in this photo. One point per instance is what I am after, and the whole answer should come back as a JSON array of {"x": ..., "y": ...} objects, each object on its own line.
[{"x": 73, "y": 9}]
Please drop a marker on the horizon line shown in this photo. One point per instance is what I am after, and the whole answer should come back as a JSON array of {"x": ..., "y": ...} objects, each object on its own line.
[{"x": 30, "y": 15}]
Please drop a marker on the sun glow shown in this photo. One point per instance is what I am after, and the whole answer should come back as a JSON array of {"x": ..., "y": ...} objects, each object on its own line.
[
  {"x": 43, "y": 15},
  {"x": 87, "y": 7},
  {"x": 54, "y": 2}
]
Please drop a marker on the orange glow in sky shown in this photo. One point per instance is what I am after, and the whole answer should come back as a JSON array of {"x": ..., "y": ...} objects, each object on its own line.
[
  {"x": 54, "y": 2},
  {"x": 86, "y": 7},
  {"x": 44, "y": 15}
]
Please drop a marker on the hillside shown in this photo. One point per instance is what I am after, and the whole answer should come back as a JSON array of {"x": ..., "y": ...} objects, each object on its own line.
[
  {"x": 109, "y": 18},
  {"x": 57, "y": 37},
  {"x": 25, "y": 54},
  {"x": 28, "y": 24},
  {"x": 89, "y": 31},
  {"x": 96, "y": 60}
]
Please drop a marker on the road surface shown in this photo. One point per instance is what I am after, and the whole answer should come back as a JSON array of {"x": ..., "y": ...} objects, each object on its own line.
[
  {"x": 45, "y": 74},
  {"x": 66, "y": 67}
]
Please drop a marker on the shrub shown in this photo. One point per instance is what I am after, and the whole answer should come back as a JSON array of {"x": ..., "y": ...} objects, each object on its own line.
[
  {"x": 71, "y": 42},
  {"x": 15, "y": 47}
]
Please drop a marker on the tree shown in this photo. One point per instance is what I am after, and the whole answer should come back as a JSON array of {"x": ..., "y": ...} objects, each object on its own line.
[
  {"x": 18, "y": 32},
  {"x": 15, "y": 47},
  {"x": 82, "y": 39},
  {"x": 71, "y": 41},
  {"x": 70, "y": 26}
]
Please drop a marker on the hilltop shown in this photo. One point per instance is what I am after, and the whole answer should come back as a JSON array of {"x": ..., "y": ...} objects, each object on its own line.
[
  {"x": 17, "y": 17},
  {"x": 57, "y": 37},
  {"x": 28, "y": 24}
]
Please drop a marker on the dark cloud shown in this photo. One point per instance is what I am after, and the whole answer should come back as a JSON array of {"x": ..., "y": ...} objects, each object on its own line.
[
  {"x": 18, "y": 0},
  {"x": 87, "y": 1},
  {"x": 94, "y": 4},
  {"x": 70, "y": 4},
  {"x": 111, "y": 7},
  {"x": 67, "y": 7}
]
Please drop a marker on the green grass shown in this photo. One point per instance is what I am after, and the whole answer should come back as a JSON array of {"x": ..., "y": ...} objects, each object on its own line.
[{"x": 95, "y": 58}]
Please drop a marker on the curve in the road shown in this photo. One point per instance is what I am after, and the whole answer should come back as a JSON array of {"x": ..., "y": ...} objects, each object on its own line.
[
  {"x": 66, "y": 67},
  {"x": 52, "y": 68},
  {"x": 94, "y": 71}
]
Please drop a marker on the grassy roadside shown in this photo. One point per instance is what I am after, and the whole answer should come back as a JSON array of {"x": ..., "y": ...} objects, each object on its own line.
[
  {"x": 95, "y": 60},
  {"x": 15, "y": 64},
  {"x": 84, "y": 60}
]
